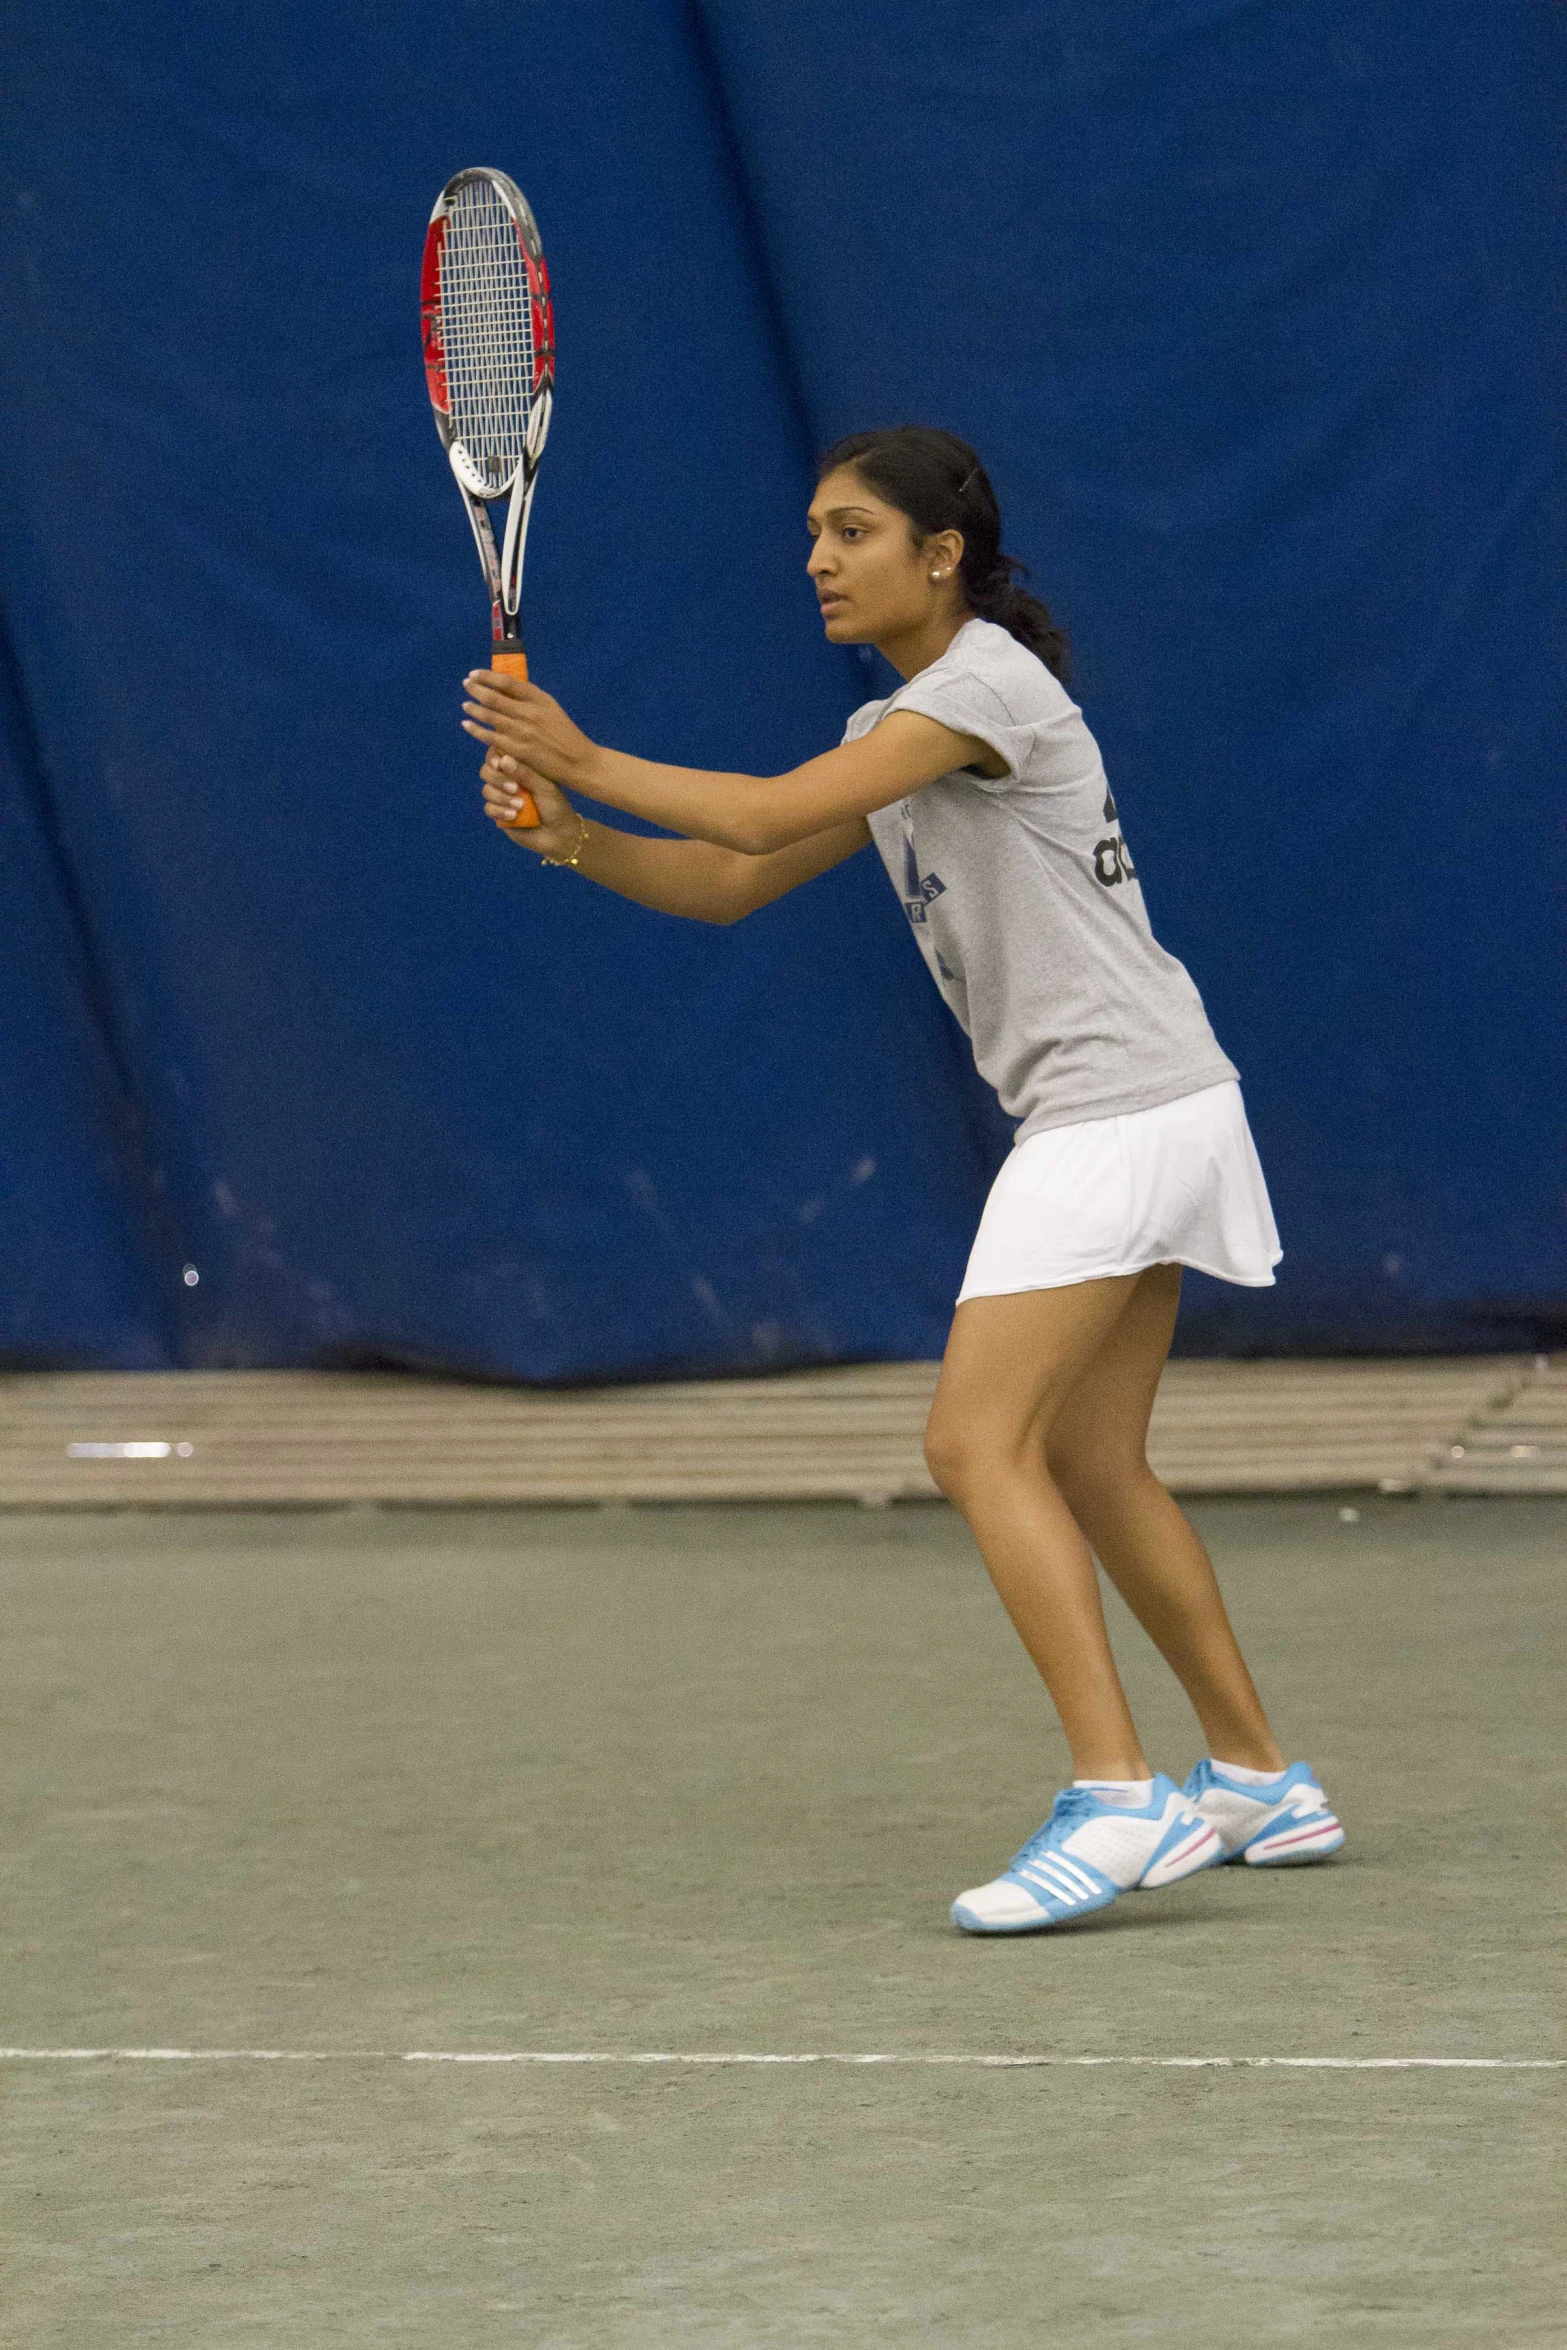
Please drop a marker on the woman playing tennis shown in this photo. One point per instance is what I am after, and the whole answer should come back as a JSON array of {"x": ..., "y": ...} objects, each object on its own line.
[{"x": 983, "y": 791}]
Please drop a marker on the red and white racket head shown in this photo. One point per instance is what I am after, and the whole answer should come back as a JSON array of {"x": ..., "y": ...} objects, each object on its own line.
[{"x": 489, "y": 330}]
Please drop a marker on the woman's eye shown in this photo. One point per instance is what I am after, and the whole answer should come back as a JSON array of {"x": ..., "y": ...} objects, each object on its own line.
[{"x": 849, "y": 531}]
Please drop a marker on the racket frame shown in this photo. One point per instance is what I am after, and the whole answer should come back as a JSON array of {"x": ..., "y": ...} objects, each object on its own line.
[{"x": 501, "y": 565}]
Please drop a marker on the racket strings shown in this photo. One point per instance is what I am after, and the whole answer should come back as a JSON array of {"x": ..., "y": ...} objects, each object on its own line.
[{"x": 487, "y": 326}]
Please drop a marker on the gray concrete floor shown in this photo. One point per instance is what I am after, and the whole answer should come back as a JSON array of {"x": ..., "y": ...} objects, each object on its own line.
[{"x": 706, "y": 1780}]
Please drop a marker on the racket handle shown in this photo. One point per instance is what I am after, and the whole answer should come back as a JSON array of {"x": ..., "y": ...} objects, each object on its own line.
[{"x": 515, "y": 664}]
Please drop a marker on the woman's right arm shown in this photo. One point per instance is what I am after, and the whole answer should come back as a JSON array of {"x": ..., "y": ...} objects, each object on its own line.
[{"x": 693, "y": 878}]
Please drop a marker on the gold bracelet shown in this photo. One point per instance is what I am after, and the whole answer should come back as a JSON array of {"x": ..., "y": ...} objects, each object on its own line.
[{"x": 570, "y": 864}]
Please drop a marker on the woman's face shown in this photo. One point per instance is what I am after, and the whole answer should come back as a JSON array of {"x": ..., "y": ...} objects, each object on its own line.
[{"x": 872, "y": 576}]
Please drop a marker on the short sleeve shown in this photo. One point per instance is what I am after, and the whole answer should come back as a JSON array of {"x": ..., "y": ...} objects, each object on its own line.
[
  {"x": 969, "y": 705},
  {"x": 862, "y": 720}
]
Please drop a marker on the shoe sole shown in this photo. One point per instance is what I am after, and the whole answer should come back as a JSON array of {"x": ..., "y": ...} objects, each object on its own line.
[{"x": 1041, "y": 1925}]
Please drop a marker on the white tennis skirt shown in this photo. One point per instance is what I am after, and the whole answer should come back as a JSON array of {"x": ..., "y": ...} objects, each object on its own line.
[{"x": 1179, "y": 1185}]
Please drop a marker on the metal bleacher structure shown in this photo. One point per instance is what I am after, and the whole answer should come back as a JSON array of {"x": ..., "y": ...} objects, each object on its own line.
[{"x": 1491, "y": 1424}]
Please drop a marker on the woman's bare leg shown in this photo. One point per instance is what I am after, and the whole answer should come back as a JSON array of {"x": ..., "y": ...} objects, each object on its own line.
[
  {"x": 1011, "y": 1364},
  {"x": 1095, "y": 1447}
]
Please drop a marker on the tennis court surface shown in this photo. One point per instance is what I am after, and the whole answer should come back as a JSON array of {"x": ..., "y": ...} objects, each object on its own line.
[{"x": 628, "y": 1788}]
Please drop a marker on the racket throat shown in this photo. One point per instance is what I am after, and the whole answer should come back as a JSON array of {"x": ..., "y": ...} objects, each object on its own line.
[{"x": 515, "y": 543}]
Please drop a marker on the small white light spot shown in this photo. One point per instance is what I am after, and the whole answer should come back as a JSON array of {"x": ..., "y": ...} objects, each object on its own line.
[
  {"x": 1456, "y": 1452},
  {"x": 1392, "y": 1266},
  {"x": 1349, "y": 1517},
  {"x": 191, "y": 1276},
  {"x": 862, "y": 1170},
  {"x": 184, "y": 1451},
  {"x": 1524, "y": 1452},
  {"x": 1542, "y": 1362}
]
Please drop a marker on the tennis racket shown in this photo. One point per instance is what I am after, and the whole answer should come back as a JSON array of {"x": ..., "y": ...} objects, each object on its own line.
[{"x": 489, "y": 360}]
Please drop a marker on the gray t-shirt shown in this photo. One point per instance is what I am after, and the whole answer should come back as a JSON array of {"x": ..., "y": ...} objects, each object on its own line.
[{"x": 1026, "y": 904}]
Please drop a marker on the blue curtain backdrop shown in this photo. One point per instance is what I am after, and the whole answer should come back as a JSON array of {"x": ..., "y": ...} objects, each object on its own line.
[{"x": 1244, "y": 306}]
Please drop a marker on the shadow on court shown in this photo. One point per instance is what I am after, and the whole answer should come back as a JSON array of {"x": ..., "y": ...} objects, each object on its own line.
[{"x": 705, "y": 1781}]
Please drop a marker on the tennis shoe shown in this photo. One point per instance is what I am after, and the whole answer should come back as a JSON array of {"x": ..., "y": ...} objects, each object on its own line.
[
  {"x": 1086, "y": 1853},
  {"x": 1281, "y": 1824}
]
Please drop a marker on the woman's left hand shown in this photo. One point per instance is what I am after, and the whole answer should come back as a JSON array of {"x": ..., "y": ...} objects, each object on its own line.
[{"x": 509, "y": 714}]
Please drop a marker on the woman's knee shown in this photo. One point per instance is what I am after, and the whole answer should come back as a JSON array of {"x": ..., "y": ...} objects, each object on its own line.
[
  {"x": 960, "y": 1453},
  {"x": 945, "y": 1452}
]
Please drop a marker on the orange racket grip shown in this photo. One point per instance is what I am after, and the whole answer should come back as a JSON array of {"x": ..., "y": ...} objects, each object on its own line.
[{"x": 510, "y": 664}]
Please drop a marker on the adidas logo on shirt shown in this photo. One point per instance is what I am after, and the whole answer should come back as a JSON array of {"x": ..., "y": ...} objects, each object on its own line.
[{"x": 1112, "y": 858}]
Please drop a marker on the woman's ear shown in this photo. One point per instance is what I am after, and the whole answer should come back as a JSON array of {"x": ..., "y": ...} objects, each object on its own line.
[{"x": 944, "y": 550}]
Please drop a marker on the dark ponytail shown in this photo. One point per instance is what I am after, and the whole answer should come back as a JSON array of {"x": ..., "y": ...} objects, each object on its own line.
[{"x": 940, "y": 484}]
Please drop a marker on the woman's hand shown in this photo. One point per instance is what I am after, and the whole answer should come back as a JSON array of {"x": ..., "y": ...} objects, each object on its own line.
[
  {"x": 559, "y": 829},
  {"x": 527, "y": 724}
]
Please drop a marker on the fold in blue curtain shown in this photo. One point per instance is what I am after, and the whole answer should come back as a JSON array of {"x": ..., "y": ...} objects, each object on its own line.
[
  {"x": 79, "y": 1221},
  {"x": 1244, "y": 309}
]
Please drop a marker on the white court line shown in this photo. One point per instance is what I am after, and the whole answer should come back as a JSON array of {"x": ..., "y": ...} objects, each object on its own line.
[{"x": 979, "y": 2063}]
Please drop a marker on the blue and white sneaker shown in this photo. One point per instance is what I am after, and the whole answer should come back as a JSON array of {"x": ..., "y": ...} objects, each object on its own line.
[
  {"x": 1278, "y": 1825},
  {"x": 1086, "y": 1853}
]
